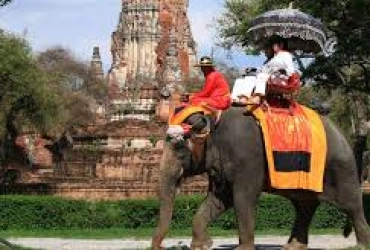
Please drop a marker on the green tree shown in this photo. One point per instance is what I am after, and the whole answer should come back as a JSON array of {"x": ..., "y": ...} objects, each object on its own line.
[
  {"x": 336, "y": 99},
  {"x": 75, "y": 83},
  {"x": 4, "y": 2},
  {"x": 347, "y": 68},
  {"x": 26, "y": 100},
  {"x": 24, "y": 91},
  {"x": 71, "y": 72}
]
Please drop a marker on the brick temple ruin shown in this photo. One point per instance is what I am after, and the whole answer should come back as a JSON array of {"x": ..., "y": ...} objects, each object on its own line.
[
  {"x": 152, "y": 47},
  {"x": 153, "y": 40}
]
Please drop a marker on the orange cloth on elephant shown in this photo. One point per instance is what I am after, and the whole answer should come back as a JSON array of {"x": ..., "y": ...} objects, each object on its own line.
[
  {"x": 216, "y": 92},
  {"x": 295, "y": 146}
]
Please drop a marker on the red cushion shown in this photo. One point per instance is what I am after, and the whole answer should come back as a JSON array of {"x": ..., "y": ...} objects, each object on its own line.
[{"x": 280, "y": 85}]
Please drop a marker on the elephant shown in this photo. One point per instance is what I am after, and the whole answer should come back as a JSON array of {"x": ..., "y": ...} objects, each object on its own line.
[{"x": 234, "y": 160}]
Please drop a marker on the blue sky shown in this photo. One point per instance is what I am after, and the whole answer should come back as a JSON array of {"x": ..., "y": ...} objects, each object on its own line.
[{"x": 79, "y": 25}]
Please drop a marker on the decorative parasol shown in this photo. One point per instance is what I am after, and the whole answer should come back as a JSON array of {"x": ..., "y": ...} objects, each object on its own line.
[{"x": 303, "y": 31}]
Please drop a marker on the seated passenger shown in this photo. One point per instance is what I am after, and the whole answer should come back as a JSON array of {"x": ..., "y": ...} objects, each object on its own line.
[
  {"x": 215, "y": 93},
  {"x": 279, "y": 60},
  {"x": 244, "y": 87},
  {"x": 214, "y": 96}
]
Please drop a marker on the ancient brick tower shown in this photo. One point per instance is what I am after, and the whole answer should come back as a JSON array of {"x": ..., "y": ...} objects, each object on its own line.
[
  {"x": 152, "y": 41},
  {"x": 96, "y": 64}
]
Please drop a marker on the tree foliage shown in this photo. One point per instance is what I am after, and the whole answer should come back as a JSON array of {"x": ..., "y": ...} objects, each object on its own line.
[
  {"x": 345, "y": 70},
  {"x": 76, "y": 84},
  {"x": 233, "y": 24},
  {"x": 75, "y": 74},
  {"x": 4, "y": 2},
  {"x": 339, "y": 103},
  {"x": 46, "y": 94},
  {"x": 25, "y": 96},
  {"x": 348, "y": 21}
]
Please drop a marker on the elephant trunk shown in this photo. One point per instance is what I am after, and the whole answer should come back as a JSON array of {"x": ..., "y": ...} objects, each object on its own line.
[{"x": 169, "y": 179}]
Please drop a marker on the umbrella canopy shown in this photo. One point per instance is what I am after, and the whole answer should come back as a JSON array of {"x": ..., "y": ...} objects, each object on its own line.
[{"x": 303, "y": 31}]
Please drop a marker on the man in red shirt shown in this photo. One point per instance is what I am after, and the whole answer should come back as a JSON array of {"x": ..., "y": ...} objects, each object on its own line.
[
  {"x": 214, "y": 96},
  {"x": 216, "y": 91}
]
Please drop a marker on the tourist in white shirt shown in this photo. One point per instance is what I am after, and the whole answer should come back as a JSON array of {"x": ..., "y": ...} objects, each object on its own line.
[
  {"x": 243, "y": 88},
  {"x": 278, "y": 59}
]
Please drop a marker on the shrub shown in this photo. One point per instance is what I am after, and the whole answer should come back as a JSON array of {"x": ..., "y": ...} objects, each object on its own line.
[{"x": 44, "y": 212}]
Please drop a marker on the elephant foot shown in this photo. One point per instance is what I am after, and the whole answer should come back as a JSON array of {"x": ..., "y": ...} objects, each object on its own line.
[
  {"x": 295, "y": 245},
  {"x": 158, "y": 248},
  {"x": 200, "y": 248},
  {"x": 201, "y": 245},
  {"x": 245, "y": 247}
]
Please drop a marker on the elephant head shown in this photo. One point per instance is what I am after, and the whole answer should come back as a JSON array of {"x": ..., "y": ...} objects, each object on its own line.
[{"x": 176, "y": 164}]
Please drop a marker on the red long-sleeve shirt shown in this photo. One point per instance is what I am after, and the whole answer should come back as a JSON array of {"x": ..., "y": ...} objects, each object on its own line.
[{"x": 215, "y": 92}]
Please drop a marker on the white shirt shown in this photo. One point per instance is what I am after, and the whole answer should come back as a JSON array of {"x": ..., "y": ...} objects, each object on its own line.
[
  {"x": 243, "y": 86},
  {"x": 282, "y": 60}
]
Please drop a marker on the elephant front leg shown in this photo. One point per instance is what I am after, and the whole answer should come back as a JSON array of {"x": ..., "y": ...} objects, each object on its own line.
[
  {"x": 210, "y": 209},
  {"x": 245, "y": 209}
]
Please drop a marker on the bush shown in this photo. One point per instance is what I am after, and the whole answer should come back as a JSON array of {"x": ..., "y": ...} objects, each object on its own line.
[{"x": 44, "y": 212}]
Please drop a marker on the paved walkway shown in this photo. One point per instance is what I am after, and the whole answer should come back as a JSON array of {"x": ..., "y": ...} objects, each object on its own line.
[{"x": 262, "y": 243}]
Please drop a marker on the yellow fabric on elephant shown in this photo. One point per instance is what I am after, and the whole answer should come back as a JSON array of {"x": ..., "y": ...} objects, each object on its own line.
[
  {"x": 179, "y": 115},
  {"x": 298, "y": 179}
]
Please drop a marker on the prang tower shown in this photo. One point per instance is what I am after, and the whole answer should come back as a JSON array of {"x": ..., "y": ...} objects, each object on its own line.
[{"x": 153, "y": 41}]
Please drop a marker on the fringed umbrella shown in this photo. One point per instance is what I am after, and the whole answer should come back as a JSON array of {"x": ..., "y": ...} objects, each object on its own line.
[{"x": 304, "y": 32}]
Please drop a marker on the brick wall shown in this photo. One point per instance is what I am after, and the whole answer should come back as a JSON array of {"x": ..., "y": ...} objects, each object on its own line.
[
  {"x": 109, "y": 174},
  {"x": 105, "y": 170}
]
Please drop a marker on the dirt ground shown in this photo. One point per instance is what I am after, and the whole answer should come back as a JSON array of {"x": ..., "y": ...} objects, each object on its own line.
[{"x": 262, "y": 243}]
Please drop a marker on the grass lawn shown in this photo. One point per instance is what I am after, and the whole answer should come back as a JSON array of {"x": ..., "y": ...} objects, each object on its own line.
[{"x": 119, "y": 233}]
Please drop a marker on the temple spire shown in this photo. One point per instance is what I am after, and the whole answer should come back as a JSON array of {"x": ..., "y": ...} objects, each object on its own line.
[
  {"x": 96, "y": 64},
  {"x": 151, "y": 47},
  {"x": 153, "y": 40}
]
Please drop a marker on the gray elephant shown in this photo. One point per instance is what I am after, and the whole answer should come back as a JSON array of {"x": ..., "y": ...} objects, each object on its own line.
[{"x": 234, "y": 160}]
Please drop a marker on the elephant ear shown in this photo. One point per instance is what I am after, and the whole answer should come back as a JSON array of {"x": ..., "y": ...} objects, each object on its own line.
[
  {"x": 213, "y": 155},
  {"x": 176, "y": 155}
]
